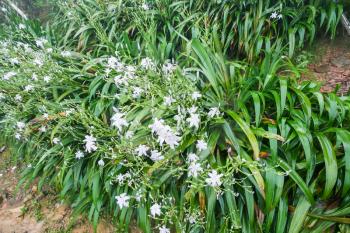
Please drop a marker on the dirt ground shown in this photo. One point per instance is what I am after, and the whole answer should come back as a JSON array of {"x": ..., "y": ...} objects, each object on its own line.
[
  {"x": 29, "y": 211},
  {"x": 331, "y": 64}
]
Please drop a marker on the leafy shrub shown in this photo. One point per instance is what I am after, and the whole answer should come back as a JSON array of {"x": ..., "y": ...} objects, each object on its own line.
[
  {"x": 203, "y": 144},
  {"x": 246, "y": 28}
]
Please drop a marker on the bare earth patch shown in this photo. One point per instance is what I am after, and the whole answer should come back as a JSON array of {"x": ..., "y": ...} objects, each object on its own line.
[
  {"x": 332, "y": 65},
  {"x": 28, "y": 211}
]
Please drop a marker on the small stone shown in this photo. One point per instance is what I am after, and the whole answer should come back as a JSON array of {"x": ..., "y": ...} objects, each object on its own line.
[
  {"x": 324, "y": 68},
  {"x": 34, "y": 189}
]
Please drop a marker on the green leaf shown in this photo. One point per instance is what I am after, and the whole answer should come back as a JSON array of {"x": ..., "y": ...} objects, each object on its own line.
[
  {"x": 298, "y": 180},
  {"x": 248, "y": 132},
  {"x": 331, "y": 165},
  {"x": 299, "y": 215}
]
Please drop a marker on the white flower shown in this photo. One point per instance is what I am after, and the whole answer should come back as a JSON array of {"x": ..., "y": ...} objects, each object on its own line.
[
  {"x": 56, "y": 141},
  {"x": 137, "y": 92},
  {"x": 157, "y": 125},
  {"x": 164, "y": 133},
  {"x": 192, "y": 219},
  {"x": 119, "y": 80},
  {"x": 108, "y": 71},
  {"x": 142, "y": 150},
  {"x": 42, "y": 129},
  {"x": 147, "y": 64},
  {"x": 20, "y": 125},
  {"x": 130, "y": 69},
  {"x": 21, "y": 26},
  {"x": 29, "y": 88},
  {"x": 129, "y": 134},
  {"x": 156, "y": 155},
  {"x": 120, "y": 178},
  {"x": 47, "y": 79},
  {"x": 273, "y": 15},
  {"x": 168, "y": 100},
  {"x": 18, "y": 136},
  {"x": 114, "y": 63},
  {"x": 178, "y": 118},
  {"x": 193, "y": 109},
  {"x": 214, "y": 179},
  {"x": 194, "y": 120},
  {"x": 49, "y": 50},
  {"x": 101, "y": 163},
  {"x": 66, "y": 54},
  {"x": 169, "y": 68},
  {"x": 14, "y": 61},
  {"x": 145, "y": 6},
  {"x": 41, "y": 42},
  {"x": 168, "y": 137},
  {"x": 46, "y": 116},
  {"x": 9, "y": 75},
  {"x": 18, "y": 97},
  {"x": 3, "y": 9},
  {"x": 163, "y": 229},
  {"x": 213, "y": 112},
  {"x": 201, "y": 145},
  {"x": 34, "y": 77},
  {"x": 119, "y": 121},
  {"x": 279, "y": 16},
  {"x": 90, "y": 143},
  {"x": 194, "y": 169},
  {"x": 155, "y": 210},
  {"x": 69, "y": 111},
  {"x": 38, "y": 61},
  {"x": 196, "y": 95},
  {"x": 123, "y": 200},
  {"x": 138, "y": 196},
  {"x": 192, "y": 157},
  {"x": 79, "y": 154}
]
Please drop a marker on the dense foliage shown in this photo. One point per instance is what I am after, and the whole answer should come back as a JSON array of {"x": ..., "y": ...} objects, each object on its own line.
[{"x": 186, "y": 116}]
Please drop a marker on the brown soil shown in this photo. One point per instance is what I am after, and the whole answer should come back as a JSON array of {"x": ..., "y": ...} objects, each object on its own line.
[
  {"x": 28, "y": 211},
  {"x": 332, "y": 64}
]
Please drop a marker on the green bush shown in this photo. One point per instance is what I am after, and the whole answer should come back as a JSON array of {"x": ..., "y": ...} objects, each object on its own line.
[{"x": 146, "y": 113}]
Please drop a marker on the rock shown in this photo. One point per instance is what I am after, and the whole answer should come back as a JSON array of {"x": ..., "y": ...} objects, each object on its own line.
[
  {"x": 324, "y": 68},
  {"x": 34, "y": 189}
]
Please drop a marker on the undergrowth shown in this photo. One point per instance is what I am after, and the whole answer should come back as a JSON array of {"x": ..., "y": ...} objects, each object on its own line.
[{"x": 186, "y": 116}]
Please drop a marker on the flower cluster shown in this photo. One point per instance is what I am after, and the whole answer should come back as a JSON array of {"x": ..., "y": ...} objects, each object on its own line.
[
  {"x": 174, "y": 113},
  {"x": 275, "y": 15},
  {"x": 164, "y": 133}
]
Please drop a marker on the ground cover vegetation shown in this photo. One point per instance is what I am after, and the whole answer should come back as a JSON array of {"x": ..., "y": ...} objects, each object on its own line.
[{"x": 179, "y": 116}]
